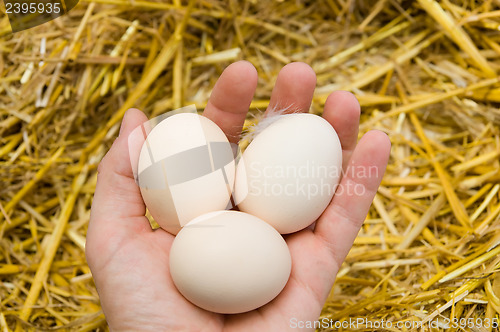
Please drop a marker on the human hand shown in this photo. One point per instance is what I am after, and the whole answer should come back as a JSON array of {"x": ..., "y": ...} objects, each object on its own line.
[{"x": 130, "y": 262}]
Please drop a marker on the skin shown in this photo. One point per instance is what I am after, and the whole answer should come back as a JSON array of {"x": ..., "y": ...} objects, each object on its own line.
[{"x": 130, "y": 262}]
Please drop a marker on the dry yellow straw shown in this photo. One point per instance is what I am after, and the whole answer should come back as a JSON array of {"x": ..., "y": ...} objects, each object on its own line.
[
  {"x": 429, "y": 100},
  {"x": 137, "y": 4},
  {"x": 164, "y": 57},
  {"x": 479, "y": 251},
  {"x": 457, "y": 34},
  {"x": 38, "y": 176},
  {"x": 479, "y": 160},
  {"x": 422, "y": 223},
  {"x": 472, "y": 264},
  {"x": 456, "y": 205},
  {"x": 376, "y": 72},
  {"x": 444, "y": 307},
  {"x": 50, "y": 251},
  {"x": 385, "y": 32},
  {"x": 487, "y": 200},
  {"x": 384, "y": 215},
  {"x": 435, "y": 217},
  {"x": 482, "y": 227},
  {"x": 39, "y": 209}
]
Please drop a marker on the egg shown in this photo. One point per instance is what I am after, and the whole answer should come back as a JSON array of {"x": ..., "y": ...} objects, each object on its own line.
[
  {"x": 289, "y": 172},
  {"x": 186, "y": 168},
  {"x": 229, "y": 262}
]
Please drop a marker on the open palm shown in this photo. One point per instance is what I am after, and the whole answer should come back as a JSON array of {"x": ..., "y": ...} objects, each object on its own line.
[{"x": 129, "y": 261}]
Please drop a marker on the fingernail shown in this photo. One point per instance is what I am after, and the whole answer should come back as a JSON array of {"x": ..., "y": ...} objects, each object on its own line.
[{"x": 123, "y": 123}]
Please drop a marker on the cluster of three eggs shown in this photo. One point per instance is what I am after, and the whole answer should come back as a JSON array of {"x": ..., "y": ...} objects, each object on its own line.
[{"x": 190, "y": 176}]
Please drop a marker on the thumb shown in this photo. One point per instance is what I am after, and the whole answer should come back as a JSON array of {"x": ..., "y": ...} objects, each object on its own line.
[{"x": 117, "y": 206}]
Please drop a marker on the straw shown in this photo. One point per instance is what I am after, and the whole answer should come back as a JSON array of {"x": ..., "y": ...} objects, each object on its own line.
[
  {"x": 424, "y": 72},
  {"x": 457, "y": 34}
]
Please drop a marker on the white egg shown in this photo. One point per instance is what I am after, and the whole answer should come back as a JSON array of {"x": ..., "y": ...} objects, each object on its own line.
[
  {"x": 186, "y": 168},
  {"x": 288, "y": 174},
  {"x": 229, "y": 262}
]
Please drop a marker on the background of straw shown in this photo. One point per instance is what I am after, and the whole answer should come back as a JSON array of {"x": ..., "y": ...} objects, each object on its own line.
[{"x": 424, "y": 72}]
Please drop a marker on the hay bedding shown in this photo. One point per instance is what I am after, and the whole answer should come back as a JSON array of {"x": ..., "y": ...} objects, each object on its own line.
[{"x": 424, "y": 72}]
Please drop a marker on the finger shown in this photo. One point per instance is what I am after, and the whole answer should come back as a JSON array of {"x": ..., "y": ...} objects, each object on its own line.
[
  {"x": 340, "y": 222},
  {"x": 117, "y": 202},
  {"x": 231, "y": 97},
  {"x": 294, "y": 89},
  {"x": 342, "y": 110}
]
